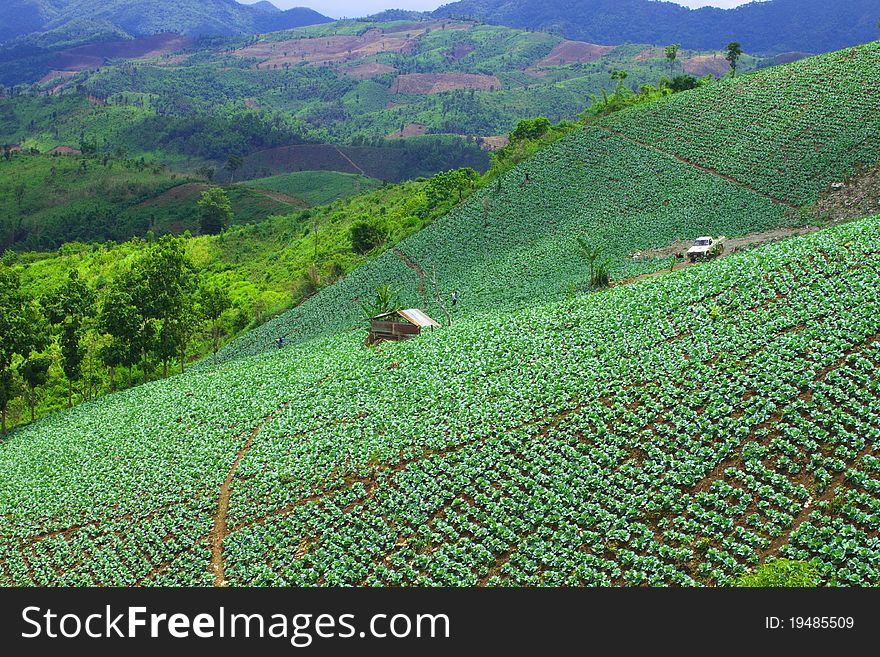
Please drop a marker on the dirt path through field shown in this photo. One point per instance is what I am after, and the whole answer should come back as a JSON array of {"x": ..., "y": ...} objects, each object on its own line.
[
  {"x": 350, "y": 161},
  {"x": 280, "y": 197},
  {"x": 220, "y": 529},
  {"x": 731, "y": 245},
  {"x": 699, "y": 167}
]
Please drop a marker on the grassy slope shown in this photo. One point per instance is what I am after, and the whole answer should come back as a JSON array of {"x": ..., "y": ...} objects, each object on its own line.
[
  {"x": 675, "y": 430},
  {"x": 66, "y": 199},
  {"x": 316, "y": 187},
  {"x": 265, "y": 261}
]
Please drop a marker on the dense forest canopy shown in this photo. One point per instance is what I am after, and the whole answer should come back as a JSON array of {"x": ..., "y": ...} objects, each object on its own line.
[{"x": 773, "y": 26}]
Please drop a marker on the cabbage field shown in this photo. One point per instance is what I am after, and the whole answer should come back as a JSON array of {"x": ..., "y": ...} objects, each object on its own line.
[
  {"x": 677, "y": 430},
  {"x": 733, "y": 158},
  {"x": 788, "y": 131}
]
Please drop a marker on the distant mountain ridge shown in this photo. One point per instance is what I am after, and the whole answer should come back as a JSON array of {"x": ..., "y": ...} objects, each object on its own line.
[
  {"x": 20, "y": 18},
  {"x": 771, "y": 27}
]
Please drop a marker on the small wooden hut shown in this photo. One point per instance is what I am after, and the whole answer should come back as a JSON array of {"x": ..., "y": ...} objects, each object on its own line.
[{"x": 399, "y": 325}]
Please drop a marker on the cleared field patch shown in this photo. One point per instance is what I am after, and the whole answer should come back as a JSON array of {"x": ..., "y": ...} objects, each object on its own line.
[
  {"x": 574, "y": 52},
  {"x": 314, "y": 187},
  {"x": 697, "y": 64},
  {"x": 94, "y": 55},
  {"x": 435, "y": 83},
  {"x": 326, "y": 50},
  {"x": 409, "y": 130}
]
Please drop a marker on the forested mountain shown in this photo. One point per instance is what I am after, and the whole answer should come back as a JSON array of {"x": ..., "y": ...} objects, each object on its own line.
[
  {"x": 773, "y": 26},
  {"x": 19, "y": 18}
]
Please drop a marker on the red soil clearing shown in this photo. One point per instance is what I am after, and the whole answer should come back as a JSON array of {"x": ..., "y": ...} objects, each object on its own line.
[
  {"x": 574, "y": 52},
  {"x": 431, "y": 83},
  {"x": 696, "y": 65},
  {"x": 324, "y": 50},
  {"x": 494, "y": 143}
]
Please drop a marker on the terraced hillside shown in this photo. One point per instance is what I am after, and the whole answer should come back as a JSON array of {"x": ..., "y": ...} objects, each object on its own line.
[
  {"x": 639, "y": 179},
  {"x": 677, "y": 430}
]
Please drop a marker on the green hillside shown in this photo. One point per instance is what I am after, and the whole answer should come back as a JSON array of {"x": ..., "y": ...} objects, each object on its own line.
[
  {"x": 47, "y": 201},
  {"x": 316, "y": 187},
  {"x": 630, "y": 195},
  {"x": 677, "y": 430},
  {"x": 363, "y": 80},
  {"x": 34, "y": 18}
]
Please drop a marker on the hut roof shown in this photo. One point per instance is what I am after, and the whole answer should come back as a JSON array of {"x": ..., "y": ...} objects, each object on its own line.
[{"x": 413, "y": 316}]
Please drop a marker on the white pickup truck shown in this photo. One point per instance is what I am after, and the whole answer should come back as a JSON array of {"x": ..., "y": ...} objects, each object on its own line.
[{"x": 705, "y": 248}]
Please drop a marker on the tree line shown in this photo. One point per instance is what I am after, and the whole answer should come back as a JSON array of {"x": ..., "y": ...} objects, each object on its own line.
[{"x": 145, "y": 319}]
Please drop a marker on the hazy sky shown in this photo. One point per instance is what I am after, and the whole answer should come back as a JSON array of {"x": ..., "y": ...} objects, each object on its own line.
[{"x": 356, "y": 8}]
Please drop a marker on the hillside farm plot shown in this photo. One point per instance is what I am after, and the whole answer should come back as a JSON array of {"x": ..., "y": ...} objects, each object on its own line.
[
  {"x": 326, "y": 50},
  {"x": 676, "y": 431},
  {"x": 435, "y": 83},
  {"x": 522, "y": 250},
  {"x": 574, "y": 52},
  {"x": 788, "y": 131}
]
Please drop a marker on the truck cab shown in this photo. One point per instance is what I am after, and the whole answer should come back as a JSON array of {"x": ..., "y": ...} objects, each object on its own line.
[{"x": 705, "y": 248}]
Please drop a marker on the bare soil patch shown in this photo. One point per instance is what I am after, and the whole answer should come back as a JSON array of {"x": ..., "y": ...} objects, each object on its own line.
[
  {"x": 858, "y": 197},
  {"x": 410, "y": 130},
  {"x": 494, "y": 143},
  {"x": 326, "y": 51},
  {"x": 701, "y": 65},
  {"x": 574, "y": 52},
  {"x": 693, "y": 64},
  {"x": 94, "y": 55},
  {"x": 179, "y": 193},
  {"x": 434, "y": 83}
]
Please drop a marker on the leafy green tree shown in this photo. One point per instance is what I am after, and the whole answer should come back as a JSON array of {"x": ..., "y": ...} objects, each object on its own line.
[
  {"x": 385, "y": 301},
  {"x": 734, "y": 52},
  {"x": 20, "y": 329},
  {"x": 233, "y": 164},
  {"x": 215, "y": 211},
  {"x": 166, "y": 281},
  {"x": 444, "y": 185},
  {"x": 35, "y": 372},
  {"x": 782, "y": 573},
  {"x": 119, "y": 318},
  {"x": 68, "y": 308},
  {"x": 599, "y": 265},
  {"x": 215, "y": 301},
  {"x": 671, "y": 52},
  {"x": 365, "y": 236},
  {"x": 683, "y": 83},
  {"x": 529, "y": 129}
]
